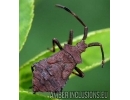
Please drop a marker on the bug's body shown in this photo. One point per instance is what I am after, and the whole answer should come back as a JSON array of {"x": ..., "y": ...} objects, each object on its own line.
[{"x": 51, "y": 74}]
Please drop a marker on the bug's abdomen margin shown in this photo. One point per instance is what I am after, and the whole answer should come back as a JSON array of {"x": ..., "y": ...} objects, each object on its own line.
[{"x": 51, "y": 74}]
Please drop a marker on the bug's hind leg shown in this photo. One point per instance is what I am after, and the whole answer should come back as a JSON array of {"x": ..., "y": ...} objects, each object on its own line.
[
  {"x": 70, "y": 41},
  {"x": 80, "y": 73},
  {"x": 55, "y": 41}
]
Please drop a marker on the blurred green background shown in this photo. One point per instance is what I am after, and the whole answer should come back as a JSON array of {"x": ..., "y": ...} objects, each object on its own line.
[{"x": 50, "y": 22}]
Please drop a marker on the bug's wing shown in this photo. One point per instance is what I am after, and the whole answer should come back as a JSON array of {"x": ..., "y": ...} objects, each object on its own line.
[
  {"x": 50, "y": 78},
  {"x": 51, "y": 74},
  {"x": 63, "y": 64}
]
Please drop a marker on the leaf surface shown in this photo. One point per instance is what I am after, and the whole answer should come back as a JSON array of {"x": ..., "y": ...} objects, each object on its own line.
[
  {"x": 26, "y": 8},
  {"x": 25, "y": 95}
]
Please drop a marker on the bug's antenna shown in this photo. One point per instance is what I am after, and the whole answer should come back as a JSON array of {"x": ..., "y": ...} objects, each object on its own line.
[
  {"x": 68, "y": 10},
  {"x": 60, "y": 6}
]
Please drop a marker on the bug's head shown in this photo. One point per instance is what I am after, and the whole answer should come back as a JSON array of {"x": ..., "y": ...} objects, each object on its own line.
[{"x": 81, "y": 46}]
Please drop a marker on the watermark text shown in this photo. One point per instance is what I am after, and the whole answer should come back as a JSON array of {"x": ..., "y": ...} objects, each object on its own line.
[{"x": 80, "y": 94}]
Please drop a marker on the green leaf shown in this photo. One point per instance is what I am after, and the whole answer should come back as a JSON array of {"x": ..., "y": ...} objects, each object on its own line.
[
  {"x": 90, "y": 59},
  {"x": 26, "y": 8},
  {"x": 25, "y": 95}
]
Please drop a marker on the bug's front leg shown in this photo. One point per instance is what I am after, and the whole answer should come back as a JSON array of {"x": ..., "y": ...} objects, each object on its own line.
[
  {"x": 55, "y": 41},
  {"x": 70, "y": 41},
  {"x": 100, "y": 45},
  {"x": 80, "y": 73}
]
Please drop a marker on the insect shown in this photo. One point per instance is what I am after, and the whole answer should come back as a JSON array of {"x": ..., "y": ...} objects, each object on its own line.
[{"x": 51, "y": 74}]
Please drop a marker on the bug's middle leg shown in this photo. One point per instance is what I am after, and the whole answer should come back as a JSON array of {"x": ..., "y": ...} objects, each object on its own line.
[
  {"x": 55, "y": 41},
  {"x": 80, "y": 73}
]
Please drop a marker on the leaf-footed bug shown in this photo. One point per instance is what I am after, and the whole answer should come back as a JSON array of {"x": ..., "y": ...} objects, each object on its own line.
[{"x": 51, "y": 74}]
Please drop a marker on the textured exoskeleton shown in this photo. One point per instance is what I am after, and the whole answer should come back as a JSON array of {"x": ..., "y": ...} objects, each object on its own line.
[{"x": 51, "y": 74}]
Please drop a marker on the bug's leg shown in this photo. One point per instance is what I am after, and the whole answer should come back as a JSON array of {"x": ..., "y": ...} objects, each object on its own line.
[
  {"x": 80, "y": 73},
  {"x": 100, "y": 45},
  {"x": 55, "y": 41},
  {"x": 70, "y": 41},
  {"x": 32, "y": 68},
  {"x": 30, "y": 87},
  {"x": 34, "y": 92}
]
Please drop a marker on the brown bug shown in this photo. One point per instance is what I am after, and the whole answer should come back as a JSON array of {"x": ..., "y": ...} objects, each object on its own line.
[{"x": 51, "y": 74}]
